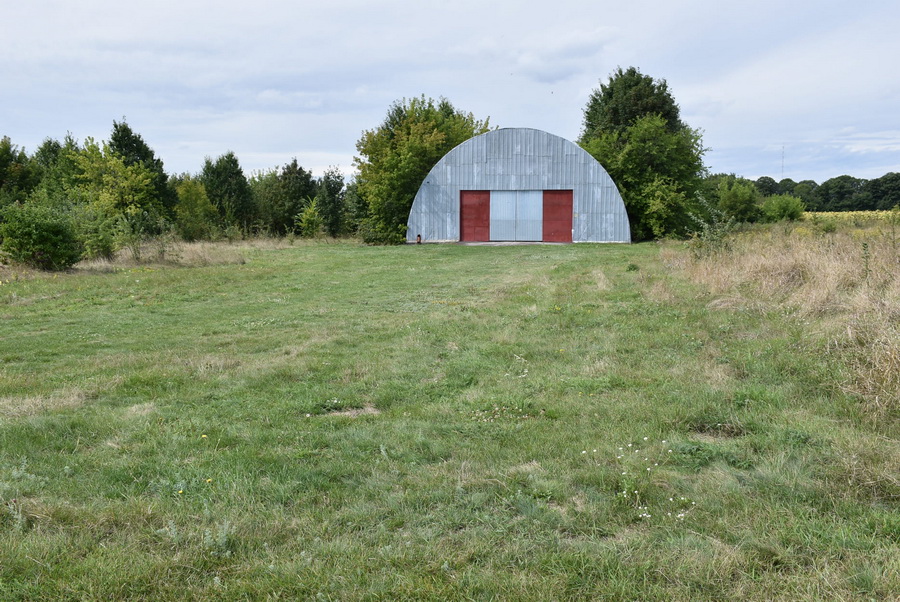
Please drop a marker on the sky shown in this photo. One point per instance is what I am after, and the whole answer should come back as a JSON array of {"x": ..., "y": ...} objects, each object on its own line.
[{"x": 800, "y": 90}]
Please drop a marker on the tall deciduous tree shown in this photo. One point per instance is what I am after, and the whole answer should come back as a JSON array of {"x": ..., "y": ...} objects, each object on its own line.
[
  {"x": 116, "y": 203},
  {"x": 767, "y": 186},
  {"x": 280, "y": 196},
  {"x": 884, "y": 192},
  {"x": 632, "y": 127},
  {"x": 625, "y": 98},
  {"x": 396, "y": 156},
  {"x": 843, "y": 193},
  {"x": 195, "y": 214},
  {"x": 786, "y": 186},
  {"x": 658, "y": 172},
  {"x": 806, "y": 190}
]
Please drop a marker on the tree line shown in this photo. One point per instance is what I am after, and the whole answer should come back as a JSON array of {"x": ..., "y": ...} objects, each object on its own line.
[
  {"x": 69, "y": 200},
  {"x": 843, "y": 193}
]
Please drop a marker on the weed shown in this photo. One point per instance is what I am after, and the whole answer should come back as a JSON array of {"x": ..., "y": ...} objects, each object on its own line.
[
  {"x": 219, "y": 542},
  {"x": 711, "y": 236}
]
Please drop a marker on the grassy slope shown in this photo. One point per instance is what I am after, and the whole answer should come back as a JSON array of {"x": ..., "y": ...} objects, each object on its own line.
[{"x": 182, "y": 432}]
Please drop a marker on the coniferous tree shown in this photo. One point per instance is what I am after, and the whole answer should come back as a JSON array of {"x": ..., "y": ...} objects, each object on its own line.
[
  {"x": 228, "y": 189},
  {"x": 18, "y": 173},
  {"x": 131, "y": 147},
  {"x": 330, "y": 201}
]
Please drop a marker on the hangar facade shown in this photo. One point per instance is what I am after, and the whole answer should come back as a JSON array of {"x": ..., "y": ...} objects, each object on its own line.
[{"x": 518, "y": 184}]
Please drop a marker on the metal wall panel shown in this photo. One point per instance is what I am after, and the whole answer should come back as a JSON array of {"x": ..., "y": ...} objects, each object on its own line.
[
  {"x": 529, "y": 215},
  {"x": 503, "y": 215},
  {"x": 519, "y": 159}
]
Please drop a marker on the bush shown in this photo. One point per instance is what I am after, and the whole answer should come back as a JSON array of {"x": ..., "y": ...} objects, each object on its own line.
[
  {"x": 373, "y": 233},
  {"x": 195, "y": 215},
  {"x": 712, "y": 234},
  {"x": 780, "y": 207},
  {"x": 40, "y": 237},
  {"x": 97, "y": 232},
  {"x": 739, "y": 199},
  {"x": 310, "y": 221}
]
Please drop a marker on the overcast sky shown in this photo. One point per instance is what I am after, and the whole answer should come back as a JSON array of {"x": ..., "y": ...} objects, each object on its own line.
[{"x": 807, "y": 90}]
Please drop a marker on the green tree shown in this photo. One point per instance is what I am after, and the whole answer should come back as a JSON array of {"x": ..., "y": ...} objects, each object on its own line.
[
  {"x": 228, "y": 189},
  {"x": 267, "y": 198},
  {"x": 309, "y": 221},
  {"x": 279, "y": 196},
  {"x": 740, "y": 199},
  {"x": 355, "y": 207},
  {"x": 786, "y": 186},
  {"x": 298, "y": 189},
  {"x": 195, "y": 215},
  {"x": 806, "y": 191},
  {"x": 59, "y": 170},
  {"x": 843, "y": 193},
  {"x": 647, "y": 161},
  {"x": 116, "y": 203},
  {"x": 18, "y": 173},
  {"x": 625, "y": 98},
  {"x": 632, "y": 126},
  {"x": 396, "y": 156},
  {"x": 330, "y": 201},
  {"x": 767, "y": 186},
  {"x": 131, "y": 147},
  {"x": 884, "y": 192}
]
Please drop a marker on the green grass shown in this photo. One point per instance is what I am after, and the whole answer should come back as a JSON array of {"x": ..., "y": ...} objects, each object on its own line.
[{"x": 431, "y": 422}]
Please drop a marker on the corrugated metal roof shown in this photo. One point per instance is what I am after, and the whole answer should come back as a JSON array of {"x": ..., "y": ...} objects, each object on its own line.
[{"x": 519, "y": 159}]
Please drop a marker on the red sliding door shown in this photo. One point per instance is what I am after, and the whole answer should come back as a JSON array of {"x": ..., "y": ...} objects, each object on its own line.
[
  {"x": 474, "y": 215},
  {"x": 557, "y": 216}
]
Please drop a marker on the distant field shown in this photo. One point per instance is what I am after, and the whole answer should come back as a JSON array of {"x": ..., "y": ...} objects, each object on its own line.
[
  {"x": 851, "y": 217},
  {"x": 339, "y": 422}
]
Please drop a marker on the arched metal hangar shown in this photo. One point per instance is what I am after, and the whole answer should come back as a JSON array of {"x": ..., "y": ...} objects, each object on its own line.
[{"x": 518, "y": 184}]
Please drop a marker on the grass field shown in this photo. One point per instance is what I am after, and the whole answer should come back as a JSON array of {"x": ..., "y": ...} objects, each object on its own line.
[{"x": 338, "y": 422}]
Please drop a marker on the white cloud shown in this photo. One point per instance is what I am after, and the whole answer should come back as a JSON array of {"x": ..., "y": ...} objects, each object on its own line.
[{"x": 280, "y": 79}]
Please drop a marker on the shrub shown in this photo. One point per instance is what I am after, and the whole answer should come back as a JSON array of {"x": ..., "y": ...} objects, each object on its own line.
[
  {"x": 39, "y": 236},
  {"x": 780, "y": 207},
  {"x": 712, "y": 232},
  {"x": 739, "y": 199},
  {"x": 373, "y": 233},
  {"x": 195, "y": 215},
  {"x": 97, "y": 232},
  {"x": 310, "y": 221}
]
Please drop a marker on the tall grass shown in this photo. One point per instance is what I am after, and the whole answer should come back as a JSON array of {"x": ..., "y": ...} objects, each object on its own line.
[{"x": 846, "y": 283}]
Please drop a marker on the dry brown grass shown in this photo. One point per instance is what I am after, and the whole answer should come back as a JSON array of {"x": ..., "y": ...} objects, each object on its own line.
[
  {"x": 16, "y": 406},
  {"x": 846, "y": 283},
  {"x": 187, "y": 254}
]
